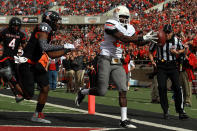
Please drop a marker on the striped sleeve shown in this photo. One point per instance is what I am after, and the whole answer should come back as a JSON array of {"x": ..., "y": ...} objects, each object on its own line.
[
  {"x": 110, "y": 28},
  {"x": 179, "y": 44},
  {"x": 152, "y": 47}
]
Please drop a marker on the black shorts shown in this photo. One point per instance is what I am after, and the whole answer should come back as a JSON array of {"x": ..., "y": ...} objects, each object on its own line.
[{"x": 29, "y": 75}]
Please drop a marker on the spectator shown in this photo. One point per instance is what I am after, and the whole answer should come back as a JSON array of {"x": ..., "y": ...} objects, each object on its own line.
[
  {"x": 53, "y": 69},
  {"x": 68, "y": 73},
  {"x": 77, "y": 66}
]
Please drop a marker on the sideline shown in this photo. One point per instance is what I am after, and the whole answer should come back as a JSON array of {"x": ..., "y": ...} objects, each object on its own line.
[{"x": 111, "y": 116}]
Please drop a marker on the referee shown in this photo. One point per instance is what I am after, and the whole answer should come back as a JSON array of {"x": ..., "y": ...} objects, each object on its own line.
[{"x": 167, "y": 68}]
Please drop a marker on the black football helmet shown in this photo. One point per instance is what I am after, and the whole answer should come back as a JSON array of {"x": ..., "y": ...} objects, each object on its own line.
[
  {"x": 14, "y": 23},
  {"x": 51, "y": 18}
]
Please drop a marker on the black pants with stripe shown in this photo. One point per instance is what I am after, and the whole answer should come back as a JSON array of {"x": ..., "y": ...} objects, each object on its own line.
[{"x": 165, "y": 71}]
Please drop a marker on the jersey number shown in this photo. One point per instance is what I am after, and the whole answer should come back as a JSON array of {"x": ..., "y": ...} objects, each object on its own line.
[{"x": 12, "y": 44}]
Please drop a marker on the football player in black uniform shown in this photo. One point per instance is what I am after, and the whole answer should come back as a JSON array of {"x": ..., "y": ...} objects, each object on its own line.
[
  {"x": 11, "y": 37},
  {"x": 32, "y": 70}
]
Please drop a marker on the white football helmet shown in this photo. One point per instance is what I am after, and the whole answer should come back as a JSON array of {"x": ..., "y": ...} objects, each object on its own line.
[{"x": 122, "y": 11}]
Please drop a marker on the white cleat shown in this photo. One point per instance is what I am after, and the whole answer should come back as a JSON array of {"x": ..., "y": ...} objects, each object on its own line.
[{"x": 39, "y": 117}]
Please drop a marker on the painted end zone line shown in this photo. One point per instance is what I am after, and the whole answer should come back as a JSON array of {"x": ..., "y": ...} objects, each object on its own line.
[{"x": 111, "y": 116}]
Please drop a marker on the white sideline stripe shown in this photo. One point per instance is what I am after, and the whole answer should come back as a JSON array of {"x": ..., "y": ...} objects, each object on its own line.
[{"x": 111, "y": 116}]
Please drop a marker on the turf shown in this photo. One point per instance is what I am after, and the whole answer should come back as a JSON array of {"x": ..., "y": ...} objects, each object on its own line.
[
  {"x": 139, "y": 100},
  {"x": 26, "y": 106}
]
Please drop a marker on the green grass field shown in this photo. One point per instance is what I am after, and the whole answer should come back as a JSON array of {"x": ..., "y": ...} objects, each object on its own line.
[
  {"x": 139, "y": 100},
  {"x": 9, "y": 104}
]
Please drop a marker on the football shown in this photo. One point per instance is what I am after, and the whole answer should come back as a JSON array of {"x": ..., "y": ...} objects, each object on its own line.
[{"x": 161, "y": 38}]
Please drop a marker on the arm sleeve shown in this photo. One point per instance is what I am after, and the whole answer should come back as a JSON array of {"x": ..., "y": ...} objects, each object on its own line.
[
  {"x": 49, "y": 47},
  {"x": 180, "y": 44},
  {"x": 44, "y": 27},
  {"x": 152, "y": 47},
  {"x": 110, "y": 28}
]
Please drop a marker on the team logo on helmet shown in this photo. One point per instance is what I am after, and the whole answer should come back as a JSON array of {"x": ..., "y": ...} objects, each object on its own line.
[{"x": 51, "y": 18}]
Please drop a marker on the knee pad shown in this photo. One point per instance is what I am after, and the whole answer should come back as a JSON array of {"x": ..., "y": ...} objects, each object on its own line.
[{"x": 7, "y": 73}]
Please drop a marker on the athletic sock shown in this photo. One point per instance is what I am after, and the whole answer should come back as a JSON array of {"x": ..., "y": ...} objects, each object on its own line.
[
  {"x": 39, "y": 107},
  {"x": 123, "y": 113}
]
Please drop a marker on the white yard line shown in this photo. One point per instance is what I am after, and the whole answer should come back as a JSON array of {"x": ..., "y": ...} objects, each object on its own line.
[{"x": 112, "y": 116}]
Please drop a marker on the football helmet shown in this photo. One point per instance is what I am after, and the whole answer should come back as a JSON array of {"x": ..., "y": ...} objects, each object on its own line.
[
  {"x": 15, "y": 24},
  {"x": 122, "y": 15},
  {"x": 52, "y": 18}
]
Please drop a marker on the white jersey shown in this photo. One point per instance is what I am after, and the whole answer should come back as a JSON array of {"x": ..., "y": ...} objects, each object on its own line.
[{"x": 111, "y": 46}]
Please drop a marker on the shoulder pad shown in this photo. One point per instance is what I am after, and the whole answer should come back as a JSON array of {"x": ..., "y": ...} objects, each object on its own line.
[
  {"x": 44, "y": 27},
  {"x": 110, "y": 24}
]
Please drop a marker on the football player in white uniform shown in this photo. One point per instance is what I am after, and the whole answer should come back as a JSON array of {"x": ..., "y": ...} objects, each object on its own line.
[{"x": 118, "y": 33}]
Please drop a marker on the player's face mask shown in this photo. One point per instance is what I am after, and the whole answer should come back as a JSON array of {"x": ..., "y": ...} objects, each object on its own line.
[{"x": 124, "y": 20}]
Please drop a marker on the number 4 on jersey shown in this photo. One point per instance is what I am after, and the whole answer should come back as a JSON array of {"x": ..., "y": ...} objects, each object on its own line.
[{"x": 12, "y": 44}]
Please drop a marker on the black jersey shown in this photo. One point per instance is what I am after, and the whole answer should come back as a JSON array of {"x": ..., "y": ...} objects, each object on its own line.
[
  {"x": 33, "y": 50},
  {"x": 11, "y": 41}
]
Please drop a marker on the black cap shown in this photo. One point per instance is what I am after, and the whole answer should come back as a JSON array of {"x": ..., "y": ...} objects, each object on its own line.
[{"x": 167, "y": 28}]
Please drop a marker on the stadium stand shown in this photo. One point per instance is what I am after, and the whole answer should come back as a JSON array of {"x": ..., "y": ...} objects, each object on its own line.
[{"x": 181, "y": 14}]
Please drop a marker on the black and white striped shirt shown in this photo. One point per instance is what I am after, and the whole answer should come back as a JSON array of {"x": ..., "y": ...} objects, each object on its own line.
[{"x": 163, "y": 52}]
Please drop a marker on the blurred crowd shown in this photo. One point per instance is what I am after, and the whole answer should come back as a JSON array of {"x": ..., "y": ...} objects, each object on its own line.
[
  {"x": 71, "y": 7},
  {"x": 24, "y": 7},
  {"x": 181, "y": 14},
  {"x": 98, "y": 7}
]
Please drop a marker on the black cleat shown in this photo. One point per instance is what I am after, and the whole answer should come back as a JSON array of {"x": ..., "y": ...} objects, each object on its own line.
[
  {"x": 127, "y": 124},
  {"x": 19, "y": 98},
  {"x": 183, "y": 116},
  {"x": 166, "y": 116},
  {"x": 79, "y": 98}
]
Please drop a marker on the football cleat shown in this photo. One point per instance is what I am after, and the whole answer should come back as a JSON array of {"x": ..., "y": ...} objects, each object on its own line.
[
  {"x": 19, "y": 98},
  {"x": 183, "y": 116},
  {"x": 127, "y": 124},
  {"x": 79, "y": 98},
  {"x": 39, "y": 117}
]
